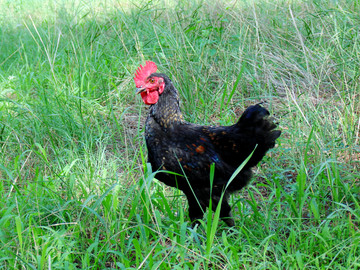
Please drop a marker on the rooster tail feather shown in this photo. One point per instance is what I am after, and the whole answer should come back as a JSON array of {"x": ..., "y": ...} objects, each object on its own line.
[{"x": 255, "y": 121}]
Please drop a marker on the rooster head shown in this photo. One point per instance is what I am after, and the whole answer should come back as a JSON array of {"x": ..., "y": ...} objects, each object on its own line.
[{"x": 149, "y": 86}]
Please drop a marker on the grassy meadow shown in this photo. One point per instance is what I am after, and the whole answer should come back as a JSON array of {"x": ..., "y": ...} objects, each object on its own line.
[{"x": 75, "y": 189}]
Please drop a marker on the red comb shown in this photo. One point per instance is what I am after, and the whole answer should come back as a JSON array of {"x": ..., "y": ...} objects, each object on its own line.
[{"x": 143, "y": 72}]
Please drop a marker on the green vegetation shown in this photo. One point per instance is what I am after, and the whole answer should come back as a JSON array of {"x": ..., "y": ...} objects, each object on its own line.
[{"x": 72, "y": 155}]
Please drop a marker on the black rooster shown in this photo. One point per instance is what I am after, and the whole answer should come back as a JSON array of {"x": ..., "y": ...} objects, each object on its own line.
[{"x": 189, "y": 149}]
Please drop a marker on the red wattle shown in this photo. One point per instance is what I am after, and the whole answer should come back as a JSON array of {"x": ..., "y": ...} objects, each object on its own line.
[{"x": 150, "y": 98}]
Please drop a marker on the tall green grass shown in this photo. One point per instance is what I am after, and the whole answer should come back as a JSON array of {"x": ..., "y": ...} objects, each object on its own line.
[{"x": 75, "y": 188}]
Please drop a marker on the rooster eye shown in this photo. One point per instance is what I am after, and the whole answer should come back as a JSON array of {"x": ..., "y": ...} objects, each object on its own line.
[{"x": 152, "y": 80}]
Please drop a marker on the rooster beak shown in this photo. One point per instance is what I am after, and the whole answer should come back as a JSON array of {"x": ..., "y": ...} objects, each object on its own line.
[{"x": 140, "y": 89}]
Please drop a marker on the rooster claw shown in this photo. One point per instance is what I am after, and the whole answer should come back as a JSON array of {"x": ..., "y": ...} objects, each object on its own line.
[{"x": 229, "y": 221}]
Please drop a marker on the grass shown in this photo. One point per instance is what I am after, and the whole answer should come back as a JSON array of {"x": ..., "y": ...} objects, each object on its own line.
[{"x": 75, "y": 188}]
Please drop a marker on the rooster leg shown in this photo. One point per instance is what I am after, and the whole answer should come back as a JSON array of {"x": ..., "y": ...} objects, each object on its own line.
[
  {"x": 196, "y": 211},
  {"x": 225, "y": 211}
]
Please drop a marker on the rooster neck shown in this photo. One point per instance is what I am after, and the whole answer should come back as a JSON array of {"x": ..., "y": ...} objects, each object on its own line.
[{"x": 166, "y": 112}]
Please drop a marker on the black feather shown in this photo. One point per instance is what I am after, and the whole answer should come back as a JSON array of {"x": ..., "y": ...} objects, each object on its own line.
[{"x": 189, "y": 150}]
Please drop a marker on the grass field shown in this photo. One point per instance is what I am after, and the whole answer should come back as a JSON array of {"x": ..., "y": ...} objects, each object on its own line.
[{"x": 72, "y": 155}]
